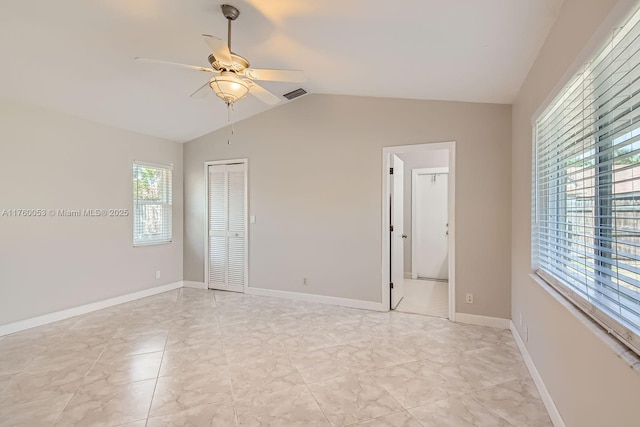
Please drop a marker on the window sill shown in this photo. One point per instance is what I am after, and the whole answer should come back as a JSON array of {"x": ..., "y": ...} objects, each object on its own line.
[
  {"x": 142, "y": 245},
  {"x": 621, "y": 350}
]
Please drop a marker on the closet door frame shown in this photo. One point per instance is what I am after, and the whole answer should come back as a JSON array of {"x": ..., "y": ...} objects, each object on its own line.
[{"x": 245, "y": 162}]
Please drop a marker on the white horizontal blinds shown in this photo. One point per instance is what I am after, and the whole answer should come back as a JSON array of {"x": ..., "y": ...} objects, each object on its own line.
[
  {"x": 587, "y": 186},
  {"x": 152, "y": 203},
  {"x": 236, "y": 254},
  {"x": 217, "y": 226}
]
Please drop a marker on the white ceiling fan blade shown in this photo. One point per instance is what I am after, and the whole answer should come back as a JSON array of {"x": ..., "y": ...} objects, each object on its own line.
[
  {"x": 192, "y": 67},
  {"x": 263, "y": 95},
  {"x": 275, "y": 75},
  {"x": 201, "y": 92},
  {"x": 219, "y": 48}
]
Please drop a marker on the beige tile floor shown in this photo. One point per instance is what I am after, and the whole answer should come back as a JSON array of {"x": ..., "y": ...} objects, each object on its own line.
[{"x": 204, "y": 358}]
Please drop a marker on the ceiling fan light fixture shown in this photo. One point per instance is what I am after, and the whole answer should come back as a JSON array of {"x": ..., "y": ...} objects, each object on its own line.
[
  {"x": 229, "y": 87},
  {"x": 233, "y": 78}
]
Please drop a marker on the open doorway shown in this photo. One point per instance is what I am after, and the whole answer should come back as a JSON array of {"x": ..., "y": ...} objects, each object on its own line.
[{"x": 419, "y": 229}]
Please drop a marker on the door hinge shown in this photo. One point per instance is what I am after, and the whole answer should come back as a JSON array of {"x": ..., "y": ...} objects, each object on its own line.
[
  {"x": 390, "y": 171},
  {"x": 391, "y": 228},
  {"x": 391, "y": 285}
]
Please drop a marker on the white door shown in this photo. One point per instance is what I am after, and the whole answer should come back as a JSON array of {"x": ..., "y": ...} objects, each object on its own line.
[
  {"x": 227, "y": 227},
  {"x": 396, "y": 230},
  {"x": 431, "y": 234}
]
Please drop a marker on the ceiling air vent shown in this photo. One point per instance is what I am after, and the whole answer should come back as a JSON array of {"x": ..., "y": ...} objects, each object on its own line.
[{"x": 295, "y": 93}]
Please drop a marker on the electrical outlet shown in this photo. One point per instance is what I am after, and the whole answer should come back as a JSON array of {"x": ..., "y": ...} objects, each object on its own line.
[
  {"x": 469, "y": 299},
  {"x": 305, "y": 281},
  {"x": 157, "y": 274},
  {"x": 520, "y": 319}
]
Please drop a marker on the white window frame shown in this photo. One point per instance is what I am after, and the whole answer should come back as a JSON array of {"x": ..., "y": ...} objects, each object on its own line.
[
  {"x": 166, "y": 235},
  {"x": 598, "y": 308}
]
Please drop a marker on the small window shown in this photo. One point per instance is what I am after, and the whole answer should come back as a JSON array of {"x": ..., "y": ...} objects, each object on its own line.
[{"x": 152, "y": 206}]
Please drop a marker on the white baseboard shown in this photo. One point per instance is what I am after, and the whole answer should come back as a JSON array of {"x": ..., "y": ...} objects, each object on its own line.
[
  {"x": 33, "y": 322},
  {"x": 549, "y": 404},
  {"x": 474, "y": 319},
  {"x": 194, "y": 285},
  {"x": 407, "y": 275},
  {"x": 322, "y": 299}
]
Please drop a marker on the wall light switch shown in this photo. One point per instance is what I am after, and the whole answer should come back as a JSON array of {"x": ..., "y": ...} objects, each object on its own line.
[{"x": 252, "y": 219}]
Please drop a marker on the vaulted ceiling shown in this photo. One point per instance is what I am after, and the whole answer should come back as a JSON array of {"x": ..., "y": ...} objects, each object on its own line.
[{"x": 76, "y": 56}]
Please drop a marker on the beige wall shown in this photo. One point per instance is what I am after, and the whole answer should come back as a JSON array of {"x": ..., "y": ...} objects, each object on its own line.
[
  {"x": 53, "y": 161},
  {"x": 426, "y": 159},
  {"x": 315, "y": 183},
  {"x": 589, "y": 383}
]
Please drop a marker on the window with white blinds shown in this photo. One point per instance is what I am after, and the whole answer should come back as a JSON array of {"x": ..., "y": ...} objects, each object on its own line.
[
  {"x": 586, "y": 231},
  {"x": 152, "y": 206}
]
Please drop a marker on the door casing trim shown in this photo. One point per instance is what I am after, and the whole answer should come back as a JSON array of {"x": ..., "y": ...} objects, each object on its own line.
[{"x": 386, "y": 155}]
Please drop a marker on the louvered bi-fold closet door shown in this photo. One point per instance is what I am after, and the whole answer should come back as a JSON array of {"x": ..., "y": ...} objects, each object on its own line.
[{"x": 227, "y": 227}]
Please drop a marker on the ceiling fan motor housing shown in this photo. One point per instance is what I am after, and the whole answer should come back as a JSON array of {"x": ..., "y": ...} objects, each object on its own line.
[{"x": 239, "y": 63}]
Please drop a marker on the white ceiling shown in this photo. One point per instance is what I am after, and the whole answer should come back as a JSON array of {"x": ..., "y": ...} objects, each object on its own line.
[{"x": 76, "y": 56}]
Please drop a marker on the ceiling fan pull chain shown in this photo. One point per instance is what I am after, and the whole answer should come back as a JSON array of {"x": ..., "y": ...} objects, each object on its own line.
[
  {"x": 233, "y": 130},
  {"x": 229, "y": 110}
]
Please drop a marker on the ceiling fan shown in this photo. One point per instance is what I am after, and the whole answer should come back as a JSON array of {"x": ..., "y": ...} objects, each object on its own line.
[{"x": 233, "y": 78}]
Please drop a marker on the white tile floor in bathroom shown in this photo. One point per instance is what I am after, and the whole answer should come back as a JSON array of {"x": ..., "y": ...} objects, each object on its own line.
[
  {"x": 422, "y": 296},
  {"x": 203, "y": 358}
]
